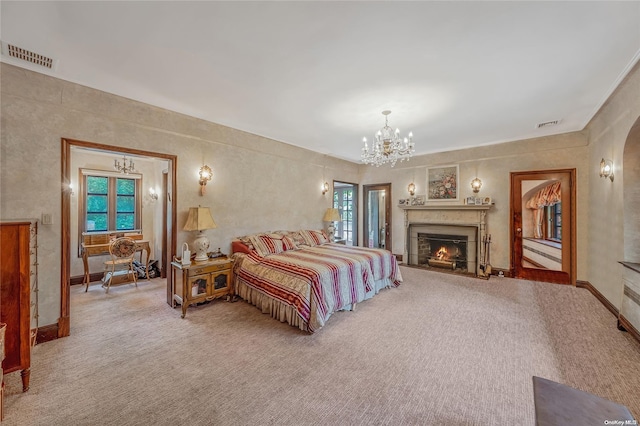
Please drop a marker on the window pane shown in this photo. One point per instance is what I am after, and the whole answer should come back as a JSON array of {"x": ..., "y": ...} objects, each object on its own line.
[
  {"x": 97, "y": 203},
  {"x": 96, "y": 222},
  {"x": 125, "y": 204},
  {"x": 125, "y": 186},
  {"x": 97, "y": 185},
  {"x": 125, "y": 221}
]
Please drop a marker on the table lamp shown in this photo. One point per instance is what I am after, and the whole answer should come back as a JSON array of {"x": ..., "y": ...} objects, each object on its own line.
[
  {"x": 200, "y": 219},
  {"x": 331, "y": 216}
]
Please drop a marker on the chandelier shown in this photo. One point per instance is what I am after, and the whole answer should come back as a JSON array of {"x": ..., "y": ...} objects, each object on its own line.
[
  {"x": 388, "y": 146},
  {"x": 124, "y": 168}
]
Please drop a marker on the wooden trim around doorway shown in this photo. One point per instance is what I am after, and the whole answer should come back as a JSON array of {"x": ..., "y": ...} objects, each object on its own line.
[{"x": 65, "y": 260}]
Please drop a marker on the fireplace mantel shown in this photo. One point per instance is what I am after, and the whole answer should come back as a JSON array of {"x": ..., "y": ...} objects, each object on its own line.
[
  {"x": 447, "y": 214},
  {"x": 448, "y": 207}
]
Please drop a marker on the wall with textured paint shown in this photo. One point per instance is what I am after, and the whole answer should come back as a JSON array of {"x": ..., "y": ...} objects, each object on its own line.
[{"x": 259, "y": 184}]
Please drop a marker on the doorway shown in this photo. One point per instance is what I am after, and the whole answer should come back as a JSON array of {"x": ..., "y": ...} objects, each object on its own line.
[
  {"x": 377, "y": 216},
  {"x": 169, "y": 224},
  {"x": 543, "y": 218},
  {"x": 345, "y": 199}
]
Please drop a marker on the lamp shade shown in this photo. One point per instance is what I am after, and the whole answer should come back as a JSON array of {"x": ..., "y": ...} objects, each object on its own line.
[
  {"x": 331, "y": 215},
  {"x": 199, "y": 218}
]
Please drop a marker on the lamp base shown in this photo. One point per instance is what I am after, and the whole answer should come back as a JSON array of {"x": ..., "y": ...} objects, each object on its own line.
[
  {"x": 201, "y": 246},
  {"x": 331, "y": 232}
]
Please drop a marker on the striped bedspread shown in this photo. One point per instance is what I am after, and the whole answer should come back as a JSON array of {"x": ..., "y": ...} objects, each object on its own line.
[{"x": 319, "y": 280}]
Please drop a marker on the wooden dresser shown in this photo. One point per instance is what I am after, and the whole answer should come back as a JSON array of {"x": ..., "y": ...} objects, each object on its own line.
[{"x": 15, "y": 297}]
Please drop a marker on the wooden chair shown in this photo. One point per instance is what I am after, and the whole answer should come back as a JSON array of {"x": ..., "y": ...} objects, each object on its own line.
[{"x": 122, "y": 251}]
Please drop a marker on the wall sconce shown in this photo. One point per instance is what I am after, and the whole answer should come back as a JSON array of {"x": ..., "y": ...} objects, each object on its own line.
[
  {"x": 476, "y": 184},
  {"x": 606, "y": 169},
  {"x": 412, "y": 189},
  {"x": 153, "y": 194},
  {"x": 68, "y": 188},
  {"x": 325, "y": 188},
  {"x": 205, "y": 174}
]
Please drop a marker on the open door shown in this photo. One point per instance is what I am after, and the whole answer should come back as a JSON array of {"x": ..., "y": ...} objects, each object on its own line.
[
  {"x": 543, "y": 221},
  {"x": 377, "y": 216}
]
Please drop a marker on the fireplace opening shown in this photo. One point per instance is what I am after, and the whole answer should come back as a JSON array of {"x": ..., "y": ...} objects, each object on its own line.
[{"x": 443, "y": 251}]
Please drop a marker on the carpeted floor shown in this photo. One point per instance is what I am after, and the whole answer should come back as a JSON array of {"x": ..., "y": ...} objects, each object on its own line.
[{"x": 439, "y": 350}]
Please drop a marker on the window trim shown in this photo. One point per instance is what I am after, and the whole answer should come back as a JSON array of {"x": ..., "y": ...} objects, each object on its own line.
[{"x": 111, "y": 210}]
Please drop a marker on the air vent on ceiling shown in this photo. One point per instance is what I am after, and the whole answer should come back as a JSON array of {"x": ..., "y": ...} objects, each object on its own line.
[
  {"x": 26, "y": 55},
  {"x": 547, "y": 124}
]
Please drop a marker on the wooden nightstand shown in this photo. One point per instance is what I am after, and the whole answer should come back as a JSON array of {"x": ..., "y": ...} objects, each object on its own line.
[{"x": 201, "y": 281}]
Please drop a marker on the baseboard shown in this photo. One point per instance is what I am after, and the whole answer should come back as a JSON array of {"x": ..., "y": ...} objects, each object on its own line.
[
  {"x": 628, "y": 327},
  {"x": 599, "y": 296},
  {"x": 79, "y": 279},
  {"x": 47, "y": 333}
]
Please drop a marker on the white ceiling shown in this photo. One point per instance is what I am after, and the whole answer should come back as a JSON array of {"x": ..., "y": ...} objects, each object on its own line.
[{"x": 319, "y": 74}]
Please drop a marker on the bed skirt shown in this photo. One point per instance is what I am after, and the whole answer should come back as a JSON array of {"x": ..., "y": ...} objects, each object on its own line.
[{"x": 286, "y": 313}]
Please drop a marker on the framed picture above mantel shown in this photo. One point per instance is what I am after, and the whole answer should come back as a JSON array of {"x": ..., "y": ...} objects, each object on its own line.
[{"x": 442, "y": 183}]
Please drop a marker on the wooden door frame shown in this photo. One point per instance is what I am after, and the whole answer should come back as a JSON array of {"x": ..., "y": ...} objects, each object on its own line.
[
  {"x": 65, "y": 261},
  {"x": 516, "y": 249},
  {"x": 387, "y": 205}
]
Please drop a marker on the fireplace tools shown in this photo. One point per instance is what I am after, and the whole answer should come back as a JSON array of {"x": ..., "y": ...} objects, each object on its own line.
[{"x": 485, "y": 265}]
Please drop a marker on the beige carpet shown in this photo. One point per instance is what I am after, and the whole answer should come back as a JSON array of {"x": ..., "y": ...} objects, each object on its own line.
[{"x": 439, "y": 350}]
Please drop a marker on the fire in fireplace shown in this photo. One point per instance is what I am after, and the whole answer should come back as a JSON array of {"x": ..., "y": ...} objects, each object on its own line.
[{"x": 443, "y": 251}]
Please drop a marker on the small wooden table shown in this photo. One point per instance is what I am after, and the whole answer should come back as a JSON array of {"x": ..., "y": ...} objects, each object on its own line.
[
  {"x": 100, "y": 249},
  {"x": 201, "y": 281}
]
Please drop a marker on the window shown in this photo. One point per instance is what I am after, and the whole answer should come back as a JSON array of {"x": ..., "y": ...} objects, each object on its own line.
[
  {"x": 111, "y": 202},
  {"x": 553, "y": 221},
  {"x": 344, "y": 201}
]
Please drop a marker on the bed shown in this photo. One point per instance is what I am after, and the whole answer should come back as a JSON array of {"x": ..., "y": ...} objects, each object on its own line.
[{"x": 301, "y": 278}]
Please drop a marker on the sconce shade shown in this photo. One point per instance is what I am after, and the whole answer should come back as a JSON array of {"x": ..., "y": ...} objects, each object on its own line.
[
  {"x": 412, "y": 189},
  {"x": 325, "y": 188},
  {"x": 331, "y": 215},
  {"x": 476, "y": 184},
  {"x": 153, "y": 194},
  {"x": 199, "y": 218},
  {"x": 205, "y": 174},
  {"x": 606, "y": 169}
]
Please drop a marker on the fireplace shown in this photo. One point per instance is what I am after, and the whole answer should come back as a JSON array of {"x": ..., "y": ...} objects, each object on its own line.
[
  {"x": 462, "y": 226},
  {"x": 446, "y": 247},
  {"x": 443, "y": 251}
]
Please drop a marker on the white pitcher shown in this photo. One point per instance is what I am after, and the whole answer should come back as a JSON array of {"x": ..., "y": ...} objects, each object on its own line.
[{"x": 186, "y": 255}]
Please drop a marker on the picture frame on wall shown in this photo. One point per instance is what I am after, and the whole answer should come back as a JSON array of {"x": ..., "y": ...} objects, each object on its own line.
[{"x": 442, "y": 183}]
